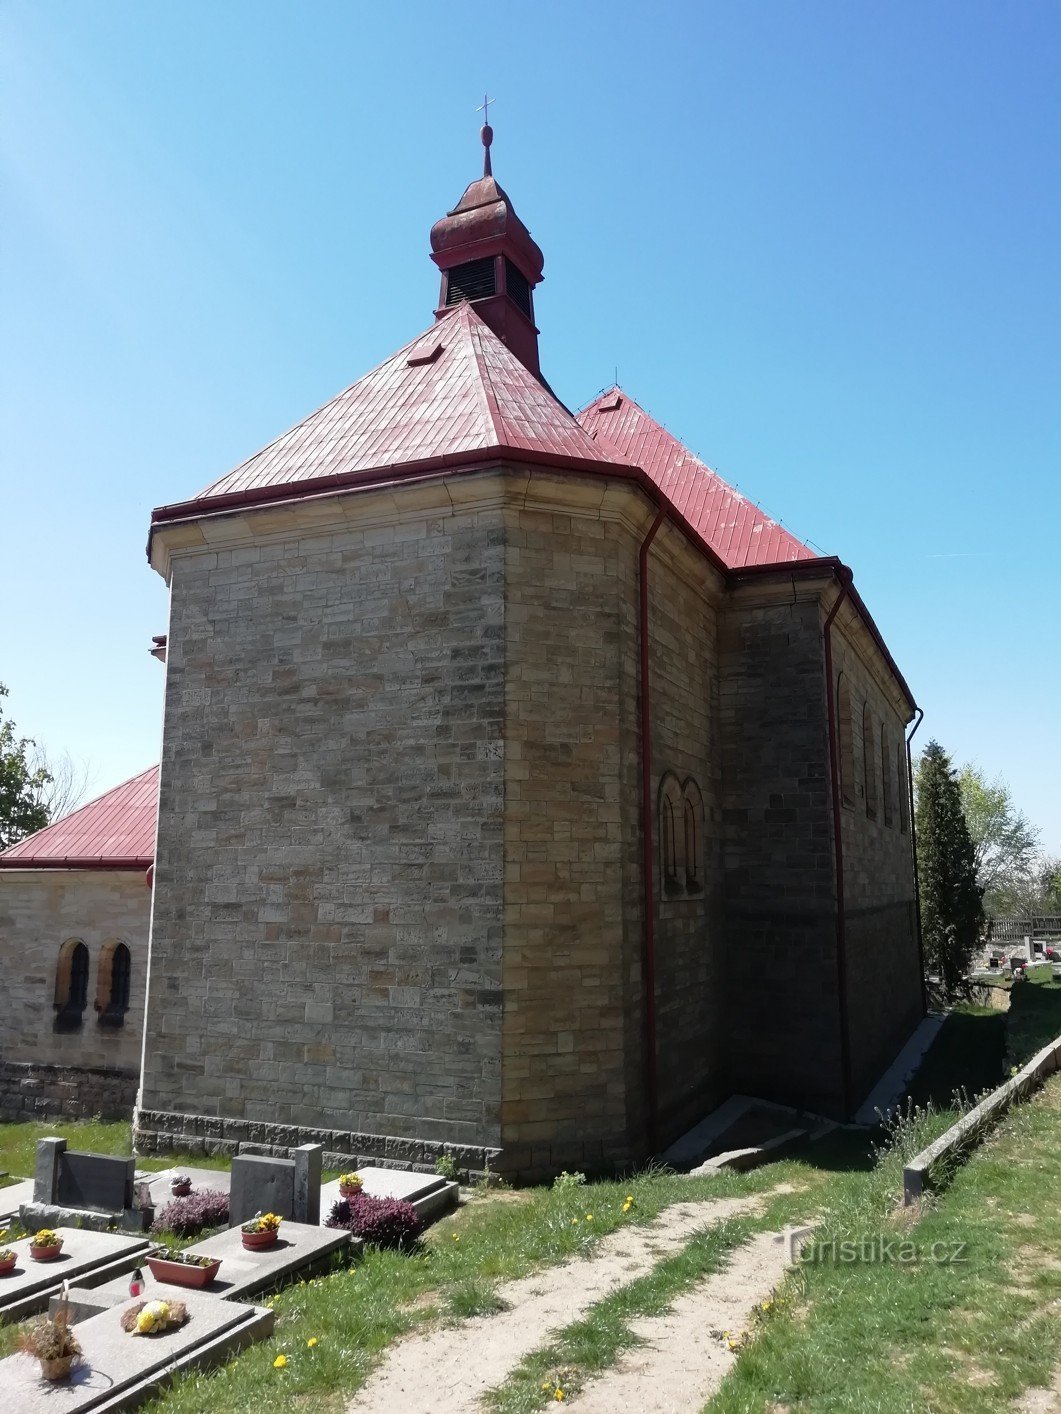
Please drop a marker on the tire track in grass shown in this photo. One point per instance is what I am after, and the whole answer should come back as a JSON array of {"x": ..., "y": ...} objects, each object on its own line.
[{"x": 448, "y": 1370}]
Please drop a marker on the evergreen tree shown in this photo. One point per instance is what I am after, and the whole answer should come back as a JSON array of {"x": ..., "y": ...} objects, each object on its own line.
[{"x": 952, "y": 912}]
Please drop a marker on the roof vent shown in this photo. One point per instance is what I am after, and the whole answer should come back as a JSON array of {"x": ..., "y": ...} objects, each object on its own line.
[
  {"x": 474, "y": 279},
  {"x": 418, "y": 360},
  {"x": 613, "y": 405}
]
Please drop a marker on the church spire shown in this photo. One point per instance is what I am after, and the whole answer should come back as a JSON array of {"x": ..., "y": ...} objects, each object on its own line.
[{"x": 486, "y": 256}]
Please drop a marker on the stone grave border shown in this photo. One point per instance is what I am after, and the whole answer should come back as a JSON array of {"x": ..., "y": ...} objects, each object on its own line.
[{"x": 972, "y": 1128}]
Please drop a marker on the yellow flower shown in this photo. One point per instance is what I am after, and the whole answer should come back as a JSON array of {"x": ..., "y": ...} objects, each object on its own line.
[
  {"x": 559, "y": 1395},
  {"x": 311, "y": 1342},
  {"x": 279, "y": 1362},
  {"x": 545, "y": 1384},
  {"x": 589, "y": 1217},
  {"x": 456, "y": 1237},
  {"x": 629, "y": 1197}
]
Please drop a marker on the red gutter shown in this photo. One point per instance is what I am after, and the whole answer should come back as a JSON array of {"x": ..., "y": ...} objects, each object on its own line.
[
  {"x": 647, "y": 812},
  {"x": 125, "y": 861},
  {"x": 838, "y": 844},
  {"x": 913, "y": 845}
]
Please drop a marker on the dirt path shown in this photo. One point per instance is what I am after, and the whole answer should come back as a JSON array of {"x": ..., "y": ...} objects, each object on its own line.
[
  {"x": 446, "y": 1371},
  {"x": 685, "y": 1357}
]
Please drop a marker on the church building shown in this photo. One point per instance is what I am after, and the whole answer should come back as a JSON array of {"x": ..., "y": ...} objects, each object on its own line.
[{"x": 525, "y": 791}]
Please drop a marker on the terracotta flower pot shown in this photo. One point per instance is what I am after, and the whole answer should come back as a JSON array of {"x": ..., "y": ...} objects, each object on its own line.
[
  {"x": 257, "y": 1240},
  {"x": 348, "y": 1191},
  {"x": 45, "y": 1254},
  {"x": 180, "y": 1190},
  {"x": 57, "y": 1369},
  {"x": 7, "y": 1264},
  {"x": 181, "y": 1274}
]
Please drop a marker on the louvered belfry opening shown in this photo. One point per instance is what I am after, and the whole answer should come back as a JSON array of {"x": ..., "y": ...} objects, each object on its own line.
[
  {"x": 476, "y": 279},
  {"x": 517, "y": 288}
]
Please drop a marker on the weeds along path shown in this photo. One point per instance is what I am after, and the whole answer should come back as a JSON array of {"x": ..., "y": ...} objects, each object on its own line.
[
  {"x": 447, "y": 1370},
  {"x": 686, "y": 1356}
]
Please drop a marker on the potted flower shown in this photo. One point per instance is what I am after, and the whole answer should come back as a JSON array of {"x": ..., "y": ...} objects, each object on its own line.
[
  {"x": 349, "y": 1184},
  {"x": 180, "y": 1185},
  {"x": 261, "y": 1231},
  {"x": 182, "y": 1268},
  {"x": 8, "y": 1256},
  {"x": 53, "y": 1343},
  {"x": 45, "y": 1245}
]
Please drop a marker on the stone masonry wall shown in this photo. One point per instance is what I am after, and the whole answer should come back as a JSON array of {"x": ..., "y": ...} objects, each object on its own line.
[
  {"x": 326, "y": 950},
  {"x": 573, "y": 1078},
  {"x": 689, "y": 942},
  {"x": 782, "y": 997},
  {"x": 40, "y": 909},
  {"x": 883, "y": 959},
  {"x": 29, "y": 1091}
]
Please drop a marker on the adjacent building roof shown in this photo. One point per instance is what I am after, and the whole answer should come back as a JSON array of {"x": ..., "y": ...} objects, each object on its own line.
[
  {"x": 454, "y": 392},
  {"x": 115, "y": 831},
  {"x": 738, "y": 531}
]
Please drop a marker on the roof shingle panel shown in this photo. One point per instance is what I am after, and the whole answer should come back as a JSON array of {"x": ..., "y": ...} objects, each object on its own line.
[
  {"x": 738, "y": 532},
  {"x": 117, "y": 828}
]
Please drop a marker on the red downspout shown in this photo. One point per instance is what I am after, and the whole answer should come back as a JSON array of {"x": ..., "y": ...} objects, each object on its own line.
[
  {"x": 913, "y": 845},
  {"x": 838, "y": 843},
  {"x": 647, "y": 812}
]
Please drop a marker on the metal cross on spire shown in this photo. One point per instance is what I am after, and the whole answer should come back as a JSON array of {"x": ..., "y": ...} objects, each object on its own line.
[{"x": 487, "y": 133}]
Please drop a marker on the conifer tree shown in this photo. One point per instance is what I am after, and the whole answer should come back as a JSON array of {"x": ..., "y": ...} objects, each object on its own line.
[{"x": 952, "y": 912}]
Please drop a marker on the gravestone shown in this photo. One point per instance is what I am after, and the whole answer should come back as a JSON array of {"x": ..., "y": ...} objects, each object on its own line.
[
  {"x": 95, "y": 1181},
  {"x": 291, "y": 1188}
]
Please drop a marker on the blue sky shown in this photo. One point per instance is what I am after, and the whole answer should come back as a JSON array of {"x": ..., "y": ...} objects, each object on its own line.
[{"x": 818, "y": 240}]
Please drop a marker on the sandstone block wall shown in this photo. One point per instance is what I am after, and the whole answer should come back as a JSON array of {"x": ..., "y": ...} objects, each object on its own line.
[
  {"x": 883, "y": 959},
  {"x": 40, "y": 910},
  {"x": 328, "y": 906},
  {"x": 782, "y": 1000},
  {"x": 689, "y": 934}
]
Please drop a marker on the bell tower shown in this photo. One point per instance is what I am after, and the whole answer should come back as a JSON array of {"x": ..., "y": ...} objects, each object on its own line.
[{"x": 486, "y": 255}]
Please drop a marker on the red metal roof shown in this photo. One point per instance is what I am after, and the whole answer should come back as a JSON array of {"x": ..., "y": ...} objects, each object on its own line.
[
  {"x": 738, "y": 532},
  {"x": 115, "y": 831},
  {"x": 455, "y": 389}
]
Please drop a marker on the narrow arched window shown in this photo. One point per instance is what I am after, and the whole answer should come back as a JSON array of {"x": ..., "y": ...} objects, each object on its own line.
[
  {"x": 844, "y": 741},
  {"x": 693, "y": 821},
  {"x": 904, "y": 799},
  {"x": 886, "y": 780},
  {"x": 671, "y": 836},
  {"x": 670, "y": 844},
  {"x": 112, "y": 983},
  {"x": 869, "y": 762},
  {"x": 71, "y": 985}
]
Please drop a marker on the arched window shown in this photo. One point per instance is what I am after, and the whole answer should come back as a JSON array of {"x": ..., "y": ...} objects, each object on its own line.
[
  {"x": 112, "y": 983},
  {"x": 71, "y": 985},
  {"x": 844, "y": 741},
  {"x": 671, "y": 836},
  {"x": 693, "y": 819},
  {"x": 869, "y": 762},
  {"x": 904, "y": 797},
  {"x": 886, "y": 780}
]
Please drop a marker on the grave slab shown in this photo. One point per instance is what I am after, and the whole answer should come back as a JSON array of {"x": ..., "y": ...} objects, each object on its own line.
[
  {"x": 302, "y": 1251},
  {"x": 431, "y": 1195},
  {"x": 218, "y": 1179},
  {"x": 121, "y": 1371},
  {"x": 87, "y": 1259},
  {"x": 12, "y": 1198}
]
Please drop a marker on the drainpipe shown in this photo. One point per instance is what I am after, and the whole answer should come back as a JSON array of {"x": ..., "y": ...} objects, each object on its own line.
[
  {"x": 913, "y": 846},
  {"x": 838, "y": 841},
  {"x": 647, "y": 815}
]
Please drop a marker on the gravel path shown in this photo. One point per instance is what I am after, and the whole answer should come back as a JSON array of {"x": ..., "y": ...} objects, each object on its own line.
[
  {"x": 685, "y": 1356},
  {"x": 447, "y": 1370}
]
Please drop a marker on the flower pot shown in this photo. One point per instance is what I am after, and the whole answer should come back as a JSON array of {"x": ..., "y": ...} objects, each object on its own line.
[
  {"x": 7, "y": 1264},
  {"x": 349, "y": 1191},
  {"x": 256, "y": 1240},
  {"x": 57, "y": 1369},
  {"x": 180, "y": 1190},
  {"x": 45, "y": 1254},
  {"x": 181, "y": 1274}
]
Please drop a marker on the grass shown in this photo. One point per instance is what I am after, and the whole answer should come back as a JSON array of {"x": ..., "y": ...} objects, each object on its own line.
[
  {"x": 1034, "y": 1014},
  {"x": 18, "y": 1145},
  {"x": 954, "y": 1336}
]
